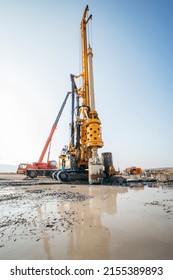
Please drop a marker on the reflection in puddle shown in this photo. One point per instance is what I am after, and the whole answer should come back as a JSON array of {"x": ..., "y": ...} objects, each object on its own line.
[{"x": 90, "y": 238}]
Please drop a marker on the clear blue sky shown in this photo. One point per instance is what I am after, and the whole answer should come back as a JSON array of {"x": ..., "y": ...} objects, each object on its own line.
[{"x": 132, "y": 43}]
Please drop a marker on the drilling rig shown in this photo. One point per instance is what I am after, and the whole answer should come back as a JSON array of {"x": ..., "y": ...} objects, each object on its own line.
[{"x": 80, "y": 161}]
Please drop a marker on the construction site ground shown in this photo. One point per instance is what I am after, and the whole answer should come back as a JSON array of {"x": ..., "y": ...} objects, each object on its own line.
[{"x": 43, "y": 219}]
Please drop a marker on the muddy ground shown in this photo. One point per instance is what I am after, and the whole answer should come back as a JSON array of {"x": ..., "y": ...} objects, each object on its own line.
[{"x": 42, "y": 219}]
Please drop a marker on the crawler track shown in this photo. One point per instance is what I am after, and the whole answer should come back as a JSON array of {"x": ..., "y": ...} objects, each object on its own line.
[{"x": 71, "y": 176}]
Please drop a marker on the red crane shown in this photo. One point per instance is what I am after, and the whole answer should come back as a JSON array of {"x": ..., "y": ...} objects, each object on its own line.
[{"x": 43, "y": 168}]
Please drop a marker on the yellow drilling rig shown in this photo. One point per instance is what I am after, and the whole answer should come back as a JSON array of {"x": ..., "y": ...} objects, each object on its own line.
[{"x": 79, "y": 161}]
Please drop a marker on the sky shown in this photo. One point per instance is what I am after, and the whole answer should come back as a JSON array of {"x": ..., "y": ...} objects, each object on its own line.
[{"x": 132, "y": 43}]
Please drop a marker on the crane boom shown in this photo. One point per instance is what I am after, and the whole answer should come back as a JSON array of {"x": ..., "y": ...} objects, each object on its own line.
[{"x": 53, "y": 130}]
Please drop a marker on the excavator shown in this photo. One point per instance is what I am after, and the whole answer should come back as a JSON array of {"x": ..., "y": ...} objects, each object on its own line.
[{"x": 79, "y": 161}]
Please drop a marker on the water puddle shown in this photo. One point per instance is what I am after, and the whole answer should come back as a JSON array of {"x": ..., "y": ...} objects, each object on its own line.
[{"x": 81, "y": 222}]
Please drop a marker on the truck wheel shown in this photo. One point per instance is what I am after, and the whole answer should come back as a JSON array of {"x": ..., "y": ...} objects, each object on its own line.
[{"x": 32, "y": 174}]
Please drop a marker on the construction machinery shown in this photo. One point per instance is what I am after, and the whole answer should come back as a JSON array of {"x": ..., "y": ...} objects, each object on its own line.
[
  {"x": 41, "y": 168},
  {"x": 133, "y": 170},
  {"x": 80, "y": 161}
]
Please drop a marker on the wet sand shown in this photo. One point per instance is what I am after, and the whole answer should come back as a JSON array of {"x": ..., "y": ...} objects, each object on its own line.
[{"x": 80, "y": 222}]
